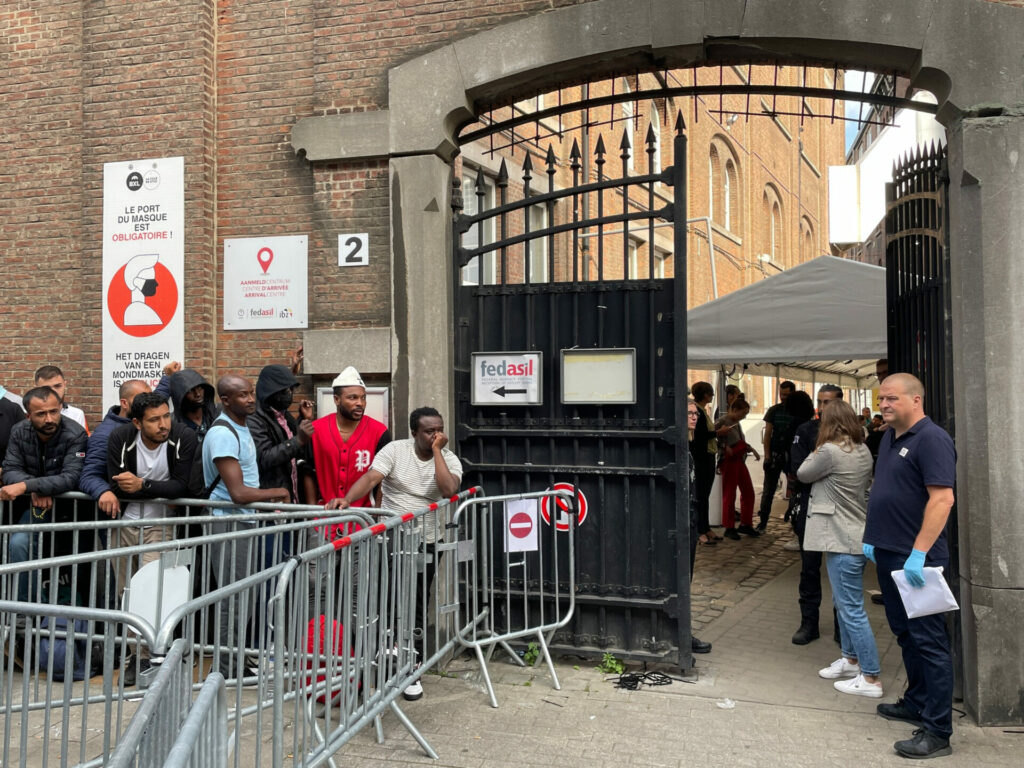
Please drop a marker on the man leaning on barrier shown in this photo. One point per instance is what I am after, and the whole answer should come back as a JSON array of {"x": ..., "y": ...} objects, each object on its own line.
[
  {"x": 44, "y": 459},
  {"x": 149, "y": 458},
  {"x": 413, "y": 474},
  {"x": 230, "y": 467}
]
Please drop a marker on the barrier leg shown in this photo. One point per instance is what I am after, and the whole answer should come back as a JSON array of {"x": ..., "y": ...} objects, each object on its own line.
[
  {"x": 413, "y": 732},
  {"x": 378, "y": 727},
  {"x": 486, "y": 674},
  {"x": 547, "y": 659}
]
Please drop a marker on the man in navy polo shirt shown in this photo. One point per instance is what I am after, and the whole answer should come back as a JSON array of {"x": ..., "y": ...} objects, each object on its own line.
[{"x": 910, "y": 503}]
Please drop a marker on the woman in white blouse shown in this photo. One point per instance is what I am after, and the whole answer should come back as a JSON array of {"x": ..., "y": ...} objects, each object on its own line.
[{"x": 840, "y": 470}]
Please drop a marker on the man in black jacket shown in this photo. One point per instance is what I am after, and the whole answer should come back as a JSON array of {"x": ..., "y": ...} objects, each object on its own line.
[
  {"x": 10, "y": 414},
  {"x": 281, "y": 441},
  {"x": 44, "y": 459},
  {"x": 151, "y": 458},
  {"x": 194, "y": 400}
]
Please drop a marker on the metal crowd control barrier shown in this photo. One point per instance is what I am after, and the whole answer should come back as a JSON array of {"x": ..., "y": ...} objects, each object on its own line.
[
  {"x": 70, "y": 627},
  {"x": 203, "y": 741},
  {"x": 344, "y": 634},
  {"x": 323, "y": 633},
  {"x": 518, "y": 577},
  {"x": 153, "y": 729}
]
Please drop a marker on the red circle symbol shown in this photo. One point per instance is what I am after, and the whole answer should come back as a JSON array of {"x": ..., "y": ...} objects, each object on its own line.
[
  {"x": 562, "y": 505},
  {"x": 520, "y": 525},
  {"x": 138, "y": 314}
]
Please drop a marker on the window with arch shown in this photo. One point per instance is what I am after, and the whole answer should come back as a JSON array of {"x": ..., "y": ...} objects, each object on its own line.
[
  {"x": 771, "y": 206},
  {"x": 806, "y": 240},
  {"x": 723, "y": 186}
]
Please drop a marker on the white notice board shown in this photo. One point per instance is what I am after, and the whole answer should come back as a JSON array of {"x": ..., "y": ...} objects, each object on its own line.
[{"x": 599, "y": 376}]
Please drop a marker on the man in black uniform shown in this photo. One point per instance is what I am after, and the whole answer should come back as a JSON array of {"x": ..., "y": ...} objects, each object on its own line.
[{"x": 810, "y": 562}]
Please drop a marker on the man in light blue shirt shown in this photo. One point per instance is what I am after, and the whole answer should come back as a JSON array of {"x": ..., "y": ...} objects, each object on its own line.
[{"x": 229, "y": 457}]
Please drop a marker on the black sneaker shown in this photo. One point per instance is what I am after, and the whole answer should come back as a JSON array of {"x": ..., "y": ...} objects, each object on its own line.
[
  {"x": 898, "y": 711},
  {"x": 749, "y": 530},
  {"x": 923, "y": 745},
  {"x": 762, "y": 526},
  {"x": 129, "y": 676},
  {"x": 730, "y": 533}
]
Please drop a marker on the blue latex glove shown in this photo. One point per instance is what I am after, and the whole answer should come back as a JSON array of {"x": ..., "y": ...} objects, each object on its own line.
[
  {"x": 869, "y": 551},
  {"x": 912, "y": 568}
]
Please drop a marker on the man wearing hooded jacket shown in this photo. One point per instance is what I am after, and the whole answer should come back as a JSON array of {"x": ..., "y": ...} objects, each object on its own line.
[
  {"x": 281, "y": 441},
  {"x": 194, "y": 401}
]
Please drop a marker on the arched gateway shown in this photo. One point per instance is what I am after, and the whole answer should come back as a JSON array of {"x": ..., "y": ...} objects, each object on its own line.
[{"x": 965, "y": 52}]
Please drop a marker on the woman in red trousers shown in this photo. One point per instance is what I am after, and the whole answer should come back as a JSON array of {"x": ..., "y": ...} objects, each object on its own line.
[{"x": 734, "y": 471}]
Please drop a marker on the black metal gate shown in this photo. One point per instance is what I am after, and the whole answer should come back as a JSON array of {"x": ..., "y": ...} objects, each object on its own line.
[
  {"x": 573, "y": 271},
  {"x": 918, "y": 305},
  {"x": 917, "y": 278}
]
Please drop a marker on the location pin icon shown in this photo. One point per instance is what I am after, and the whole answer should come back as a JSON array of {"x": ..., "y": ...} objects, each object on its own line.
[{"x": 264, "y": 257}]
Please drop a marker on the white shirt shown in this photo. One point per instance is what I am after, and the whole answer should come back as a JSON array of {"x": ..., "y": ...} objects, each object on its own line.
[
  {"x": 150, "y": 465},
  {"x": 410, "y": 484},
  {"x": 76, "y": 414}
]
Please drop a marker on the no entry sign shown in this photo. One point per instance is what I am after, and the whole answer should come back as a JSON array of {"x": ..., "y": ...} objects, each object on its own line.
[
  {"x": 521, "y": 526},
  {"x": 562, "y": 507}
]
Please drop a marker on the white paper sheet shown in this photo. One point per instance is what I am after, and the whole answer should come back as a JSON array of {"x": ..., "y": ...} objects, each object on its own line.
[{"x": 933, "y": 597}]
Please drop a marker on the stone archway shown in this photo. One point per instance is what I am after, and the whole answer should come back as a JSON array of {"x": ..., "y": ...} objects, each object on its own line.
[{"x": 964, "y": 52}]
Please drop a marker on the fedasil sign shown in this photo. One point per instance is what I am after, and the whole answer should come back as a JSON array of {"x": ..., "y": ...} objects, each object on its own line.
[{"x": 507, "y": 378}]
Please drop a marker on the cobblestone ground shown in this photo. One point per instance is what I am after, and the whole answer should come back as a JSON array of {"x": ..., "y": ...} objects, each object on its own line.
[{"x": 729, "y": 571}]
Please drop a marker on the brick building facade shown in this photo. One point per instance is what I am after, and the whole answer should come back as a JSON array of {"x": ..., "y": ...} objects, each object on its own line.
[{"x": 222, "y": 85}]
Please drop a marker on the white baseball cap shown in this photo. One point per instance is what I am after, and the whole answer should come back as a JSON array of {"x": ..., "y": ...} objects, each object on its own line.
[{"x": 349, "y": 378}]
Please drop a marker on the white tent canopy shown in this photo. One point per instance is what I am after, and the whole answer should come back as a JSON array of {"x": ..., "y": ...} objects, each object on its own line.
[{"x": 825, "y": 316}]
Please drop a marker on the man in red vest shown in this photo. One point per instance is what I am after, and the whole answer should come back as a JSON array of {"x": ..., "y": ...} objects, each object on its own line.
[{"x": 345, "y": 442}]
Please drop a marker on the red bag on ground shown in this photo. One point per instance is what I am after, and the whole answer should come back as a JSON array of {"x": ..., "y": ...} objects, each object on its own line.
[{"x": 318, "y": 645}]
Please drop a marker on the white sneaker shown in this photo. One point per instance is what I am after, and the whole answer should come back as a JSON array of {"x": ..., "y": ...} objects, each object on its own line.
[
  {"x": 415, "y": 691},
  {"x": 839, "y": 668},
  {"x": 792, "y": 546},
  {"x": 858, "y": 686}
]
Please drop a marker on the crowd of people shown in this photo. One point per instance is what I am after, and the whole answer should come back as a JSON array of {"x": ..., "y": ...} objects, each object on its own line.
[
  {"x": 236, "y": 443},
  {"x": 861, "y": 487}
]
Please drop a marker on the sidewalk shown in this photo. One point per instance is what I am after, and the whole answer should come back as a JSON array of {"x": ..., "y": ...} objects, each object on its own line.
[{"x": 782, "y": 713}]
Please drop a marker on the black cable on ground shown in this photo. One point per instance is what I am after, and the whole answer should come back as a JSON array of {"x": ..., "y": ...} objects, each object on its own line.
[{"x": 633, "y": 681}]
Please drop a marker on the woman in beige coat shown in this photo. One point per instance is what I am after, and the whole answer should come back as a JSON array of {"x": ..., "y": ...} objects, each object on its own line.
[{"x": 840, "y": 470}]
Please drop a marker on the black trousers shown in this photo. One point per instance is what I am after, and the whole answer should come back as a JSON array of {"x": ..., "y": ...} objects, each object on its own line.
[
  {"x": 810, "y": 570},
  {"x": 926, "y": 654},
  {"x": 704, "y": 473},
  {"x": 772, "y": 471}
]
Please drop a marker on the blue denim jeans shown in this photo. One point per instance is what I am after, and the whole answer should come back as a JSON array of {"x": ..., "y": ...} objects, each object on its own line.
[
  {"x": 846, "y": 572},
  {"x": 22, "y": 546}
]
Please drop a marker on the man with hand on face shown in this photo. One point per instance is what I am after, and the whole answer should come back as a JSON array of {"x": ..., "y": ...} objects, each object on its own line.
[
  {"x": 230, "y": 468},
  {"x": 909, "y": 505},
  {"x": 413, "y": 473},
  {"x": 346, "y": 442},
  {"x": 44, "y": 459},
  {"x": 149, "y": 458}
]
